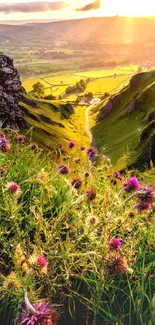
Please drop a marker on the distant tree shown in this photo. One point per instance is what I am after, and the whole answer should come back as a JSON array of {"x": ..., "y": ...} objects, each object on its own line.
[{"x": 39, "y": 88}]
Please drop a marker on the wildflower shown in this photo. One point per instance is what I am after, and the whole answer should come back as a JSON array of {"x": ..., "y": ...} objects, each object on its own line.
[
  {"x": 131, "y": 214},
  {"x": 87, "y": 174},
  {"x": 38, "y": 314},
  {"x": 21, "y": 138},
  {"x": 116, "y": 264},
  {"x": 91, "y": 193},
  {"x": 83, "y": 148},
  {"x": 63, "y": 169},
  {"x": 131, "y": 185},
  {"x": 91, "y": 153},
  {"x": 4, "y": 144},
  {"x": 41, "y": 261},
  {"x": 34, "y": 146},
  {"x": 106, "y": 158},
  {"x": 93, "y": 220},
  {"x": 71, "y": 144},
  {"x": 147, "y": 194},
  {"x": 13, "y": 187},
  {"x": 142, "y": 206},
  {"x": 2, "y": 171},
  {"x": 117, "y": 175},
  {"x": 77, "y": 183},
  {"x": 115, "y": 243}
]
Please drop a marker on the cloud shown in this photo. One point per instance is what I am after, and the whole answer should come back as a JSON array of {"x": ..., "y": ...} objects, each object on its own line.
[
  {"x": 91, "y": 6},
  {"x": 8, "y": 8}
]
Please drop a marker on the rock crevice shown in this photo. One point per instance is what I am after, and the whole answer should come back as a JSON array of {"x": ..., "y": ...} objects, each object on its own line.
[{"x": 10, "y": 93}]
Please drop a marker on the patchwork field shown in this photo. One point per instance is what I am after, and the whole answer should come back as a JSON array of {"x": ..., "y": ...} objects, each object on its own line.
[{"x": 102, "y": 81}]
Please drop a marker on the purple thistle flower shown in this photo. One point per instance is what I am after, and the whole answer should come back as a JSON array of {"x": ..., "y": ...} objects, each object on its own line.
[
  {"x": 2, "y": 170},
  {"x": 142, "y": 206},
  {"x": 91, "y": 194},
  {"x": 91, "y": 153},
  {"x": 93, "y": 220},
  {"x": 147, "y": 194},
  {"x": 77, "y": 183},
  {"x": 14, "y": 187},
  {"x": 63, "y": 169},
  {"x": 4, "y": 144},
  {"x": 117, "y": 175},
  {"x": 21, "y": 138},
  {"x": 115, "y": 243},
  {"x": 131, "y": 185},
  {"x": 71, "y": 144},
  {"x": 43, "y": 315},
  {"x": 41, "y": 261}
]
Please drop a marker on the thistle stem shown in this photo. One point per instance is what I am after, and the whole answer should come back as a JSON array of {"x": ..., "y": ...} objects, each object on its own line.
[{"x": 28, "y": 304}]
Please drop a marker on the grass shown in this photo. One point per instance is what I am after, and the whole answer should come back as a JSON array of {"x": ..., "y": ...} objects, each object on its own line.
[
  {"x": 44, "y": 220},
  {"x": 68, "y": 126},
  {"x": 95, "y": 85},
  {"x": 124, "y": 137}
]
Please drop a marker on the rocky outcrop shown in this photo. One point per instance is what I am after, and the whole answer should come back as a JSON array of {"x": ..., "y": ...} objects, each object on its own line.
[
  {"x": 106, "y": 110},
  {"x": 69, "y": 108},
  {"x": 10, "y": 92},
  {"x": 48, "y": 120}
]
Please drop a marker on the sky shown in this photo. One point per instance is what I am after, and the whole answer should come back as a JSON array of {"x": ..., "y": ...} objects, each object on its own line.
[{"x": 70, "y": 9}]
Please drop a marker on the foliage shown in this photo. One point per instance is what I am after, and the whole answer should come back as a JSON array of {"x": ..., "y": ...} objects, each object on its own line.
[{"x": 55, "y": 241}]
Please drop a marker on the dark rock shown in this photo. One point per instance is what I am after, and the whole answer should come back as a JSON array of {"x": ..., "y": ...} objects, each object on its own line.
[
  {"x": 131, "y": 108},
  {"x": 50, "y": 121},
  {"x": 69, "y": 108},
  {"x": 105, "y": 111},
  {"x": 29, "y": 102},
  {"x": 10, "y": 94}
]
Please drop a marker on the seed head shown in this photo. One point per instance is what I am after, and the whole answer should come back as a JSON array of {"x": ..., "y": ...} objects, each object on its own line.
[
  {"x": 63, "y": 169},
  {"x": 77, "y": 183},
  {"x": 91, "y": 193}
]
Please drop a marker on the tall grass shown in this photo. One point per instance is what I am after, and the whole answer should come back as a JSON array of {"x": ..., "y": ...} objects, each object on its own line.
[{"x": 43, "y": 220}]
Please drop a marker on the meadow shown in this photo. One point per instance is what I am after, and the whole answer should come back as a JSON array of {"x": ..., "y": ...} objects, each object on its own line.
[
  {"x": 101, "y": 80},
  {"x": 75, "y": 235}
]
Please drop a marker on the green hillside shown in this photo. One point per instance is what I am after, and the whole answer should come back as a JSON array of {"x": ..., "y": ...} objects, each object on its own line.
[
  {"x": 53, "y": 124},
  {"x": 124, "y": 124}
]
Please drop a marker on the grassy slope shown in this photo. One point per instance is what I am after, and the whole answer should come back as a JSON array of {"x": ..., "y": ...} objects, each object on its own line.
[
  {"x": 50, "y": 135},
  {"x": 44, "y": 221},
  {"x": 120, "y": 133}
]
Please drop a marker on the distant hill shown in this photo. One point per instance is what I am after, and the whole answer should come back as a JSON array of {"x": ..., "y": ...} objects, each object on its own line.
[
  {"x": 124, "y": 124},
  {"x": 107, "y": 29}
]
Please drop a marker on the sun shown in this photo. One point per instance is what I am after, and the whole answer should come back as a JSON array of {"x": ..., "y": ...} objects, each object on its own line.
[{"x": 132, "y": 8}]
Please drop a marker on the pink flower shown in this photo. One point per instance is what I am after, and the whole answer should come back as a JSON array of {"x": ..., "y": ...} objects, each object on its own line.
[
  {"x": 91, "y": 153},
  {"x": 71, "y": 144},
  {"x": 21, "y": 138},
  {"x": 14, "y": 187},
  {"x": 131, "y": 185},
  {"x": 142, "y": 206},
  {"x": 93, "y": 220},
  {"x": 41, "y": 261},
  {"x": 115, "y": 243},
  {"x": 2, "y": 170}
]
